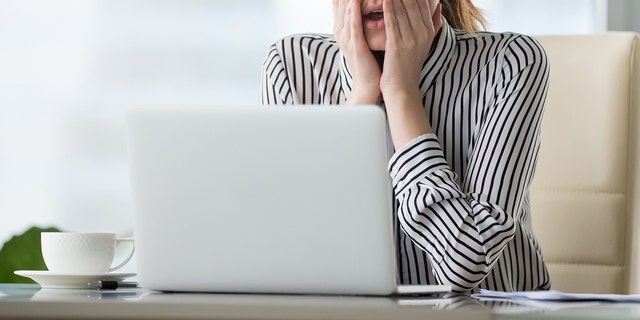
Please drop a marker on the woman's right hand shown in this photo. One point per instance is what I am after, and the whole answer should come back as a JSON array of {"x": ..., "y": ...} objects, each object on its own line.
[{"x": 361, "y": 62}]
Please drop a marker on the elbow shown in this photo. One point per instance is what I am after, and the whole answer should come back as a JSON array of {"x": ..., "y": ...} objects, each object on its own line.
[
  {"x": 465, "y": 270},
  {"x": 464, "y": 279}
]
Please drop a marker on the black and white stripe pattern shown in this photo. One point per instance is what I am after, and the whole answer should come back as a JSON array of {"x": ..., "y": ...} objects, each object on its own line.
[{"x": 462, "y": 199}]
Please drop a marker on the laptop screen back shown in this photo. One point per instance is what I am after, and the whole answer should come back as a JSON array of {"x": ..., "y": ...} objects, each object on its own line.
[{"x": 262, "y": 199}]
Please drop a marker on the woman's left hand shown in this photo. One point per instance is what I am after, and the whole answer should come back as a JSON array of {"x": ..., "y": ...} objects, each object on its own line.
[{"x": 410, "y": 31}]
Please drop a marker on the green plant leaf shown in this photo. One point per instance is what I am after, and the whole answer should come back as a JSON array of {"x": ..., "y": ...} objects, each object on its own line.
[{"x": 22, "y": 252}]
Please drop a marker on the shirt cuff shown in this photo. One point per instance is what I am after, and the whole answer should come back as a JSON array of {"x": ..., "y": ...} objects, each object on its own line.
[{"x": 416, "y": 160}]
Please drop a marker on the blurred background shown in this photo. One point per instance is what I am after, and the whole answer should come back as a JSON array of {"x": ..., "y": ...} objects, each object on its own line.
[{"x": 69, "y": 69}]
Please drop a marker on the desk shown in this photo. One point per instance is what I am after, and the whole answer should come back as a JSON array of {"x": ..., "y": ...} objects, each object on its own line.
[{"x": 31, "y": 302}]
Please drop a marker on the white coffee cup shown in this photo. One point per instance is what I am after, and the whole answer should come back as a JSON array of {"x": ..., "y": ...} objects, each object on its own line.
[{"x": 82, "y": 253}]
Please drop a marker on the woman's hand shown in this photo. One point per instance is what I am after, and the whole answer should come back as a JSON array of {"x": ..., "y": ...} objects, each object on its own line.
[
  {"x": 363, "y": 66},
  {"x": 410, "y": 31}
]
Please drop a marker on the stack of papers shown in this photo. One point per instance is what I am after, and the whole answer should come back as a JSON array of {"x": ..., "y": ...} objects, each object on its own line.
[
  {"x": 555, "y": 296},
  {"x": 548, "y": 300}
]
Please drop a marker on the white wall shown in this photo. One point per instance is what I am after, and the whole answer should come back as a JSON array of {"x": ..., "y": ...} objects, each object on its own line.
[
  {"x": 542, "y": 17},
  {"x": 70, "y": 68}
]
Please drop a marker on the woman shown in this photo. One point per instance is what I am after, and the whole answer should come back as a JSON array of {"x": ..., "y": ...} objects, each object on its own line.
[{"x": 464, "y": 109}]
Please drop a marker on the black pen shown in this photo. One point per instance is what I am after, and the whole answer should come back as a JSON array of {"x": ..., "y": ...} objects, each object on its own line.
[{"x": 111, "y": 285}]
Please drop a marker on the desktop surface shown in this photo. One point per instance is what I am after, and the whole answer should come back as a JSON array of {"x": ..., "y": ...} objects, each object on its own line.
[{"x": 30, "y": 302}]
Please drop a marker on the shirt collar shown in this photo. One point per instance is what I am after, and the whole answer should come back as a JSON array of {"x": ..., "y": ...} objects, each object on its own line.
[{"x": 441, "y": 50}]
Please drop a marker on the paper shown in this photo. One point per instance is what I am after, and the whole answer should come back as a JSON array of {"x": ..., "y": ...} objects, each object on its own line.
[{"x": 555, "y": 296}]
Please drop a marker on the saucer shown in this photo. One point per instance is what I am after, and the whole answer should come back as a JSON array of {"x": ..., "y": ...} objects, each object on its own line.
[{"x": 51, "y": 280}]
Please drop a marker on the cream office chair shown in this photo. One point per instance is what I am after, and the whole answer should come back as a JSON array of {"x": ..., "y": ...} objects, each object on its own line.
[{"x": 586, "y": 192}]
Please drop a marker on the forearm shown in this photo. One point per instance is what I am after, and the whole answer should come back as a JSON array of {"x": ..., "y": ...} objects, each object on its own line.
[
  {"x": 407, "y": 117},
  {"x": 463, "y": 237},
  {"x": 461, "y": 231}
]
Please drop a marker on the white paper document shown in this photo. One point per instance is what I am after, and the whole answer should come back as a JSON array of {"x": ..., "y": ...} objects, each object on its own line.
[{"x": 555, "y": 296}]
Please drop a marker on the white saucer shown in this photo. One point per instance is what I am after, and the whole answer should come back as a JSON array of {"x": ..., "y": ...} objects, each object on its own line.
[{"x": 52, "y": 280}]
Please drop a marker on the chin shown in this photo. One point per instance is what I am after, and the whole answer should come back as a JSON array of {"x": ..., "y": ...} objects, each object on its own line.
[
  {"x": 376, "y": 43},
  {"x": 376, "y": 46}
]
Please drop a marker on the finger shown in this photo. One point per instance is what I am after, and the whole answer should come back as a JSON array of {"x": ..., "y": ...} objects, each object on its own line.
[
  {"x": 356, "y": 19},
  {"x": 338, "y": 15},
  {"x": 414, "y": 13},
  {"x": 437, "y": 18},
  {"x": 390, "y": 21},
  {"x": 424, "y": 9},
  {"x": 402, "y": 18},
  {"x": 348, "y": 19}
]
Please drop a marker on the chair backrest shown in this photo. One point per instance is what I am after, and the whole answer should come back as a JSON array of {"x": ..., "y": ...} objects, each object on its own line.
[{"x": 586, "y": 192}]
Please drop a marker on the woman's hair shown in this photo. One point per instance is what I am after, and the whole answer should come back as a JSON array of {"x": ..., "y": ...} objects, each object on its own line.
[{"x": 463, "y": 14}]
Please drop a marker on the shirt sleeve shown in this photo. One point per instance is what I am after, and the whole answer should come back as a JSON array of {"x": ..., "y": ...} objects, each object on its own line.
[
  {"x": 464, "y": 223},
  {"x": 275, "y": 88}
]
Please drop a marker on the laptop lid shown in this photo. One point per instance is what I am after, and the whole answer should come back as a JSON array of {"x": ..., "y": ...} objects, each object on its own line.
[{"x": 292, "y": 199}]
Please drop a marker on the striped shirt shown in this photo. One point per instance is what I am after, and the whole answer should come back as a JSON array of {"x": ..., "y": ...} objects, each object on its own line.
[{"x": 462, "y": 209}]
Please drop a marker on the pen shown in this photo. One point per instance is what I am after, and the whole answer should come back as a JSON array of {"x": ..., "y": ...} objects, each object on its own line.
[{"x": 111, "y": 285}]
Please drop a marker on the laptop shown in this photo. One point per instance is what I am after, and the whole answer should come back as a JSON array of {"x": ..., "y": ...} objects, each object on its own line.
[{"x": 254, "y": 199}]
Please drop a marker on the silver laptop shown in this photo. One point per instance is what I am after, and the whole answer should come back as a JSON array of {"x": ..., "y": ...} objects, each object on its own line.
[{"x": 293, "y": 200}]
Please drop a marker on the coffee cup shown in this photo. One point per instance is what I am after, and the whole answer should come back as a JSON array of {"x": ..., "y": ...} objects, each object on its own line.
[{"x": 82, "y": 253}]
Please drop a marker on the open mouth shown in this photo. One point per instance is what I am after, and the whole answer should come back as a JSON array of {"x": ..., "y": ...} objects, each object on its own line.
[{"x": 375, "y": 15}]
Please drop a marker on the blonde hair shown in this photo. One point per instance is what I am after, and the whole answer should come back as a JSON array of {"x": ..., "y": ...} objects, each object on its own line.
[{"x": 463, "y": 14}]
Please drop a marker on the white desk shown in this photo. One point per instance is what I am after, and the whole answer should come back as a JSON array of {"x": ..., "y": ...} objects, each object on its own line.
[{"x": 29, "y": 302}]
